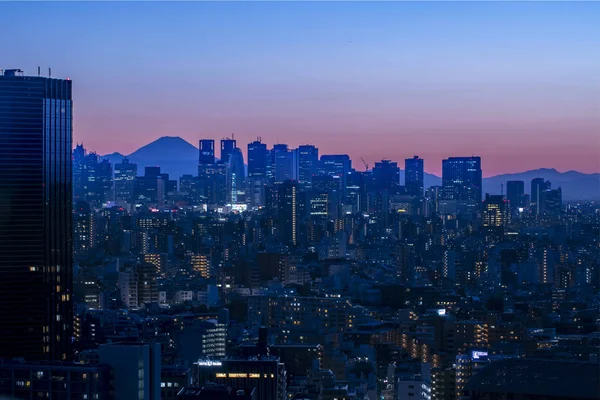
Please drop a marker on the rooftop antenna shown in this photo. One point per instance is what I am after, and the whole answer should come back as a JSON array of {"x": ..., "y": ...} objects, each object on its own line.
[
  {"x": 39, "y": 71},
  {"x": 49, "y": 72}
]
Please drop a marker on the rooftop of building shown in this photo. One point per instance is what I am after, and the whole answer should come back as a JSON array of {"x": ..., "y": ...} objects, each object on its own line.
[{"x": 557, "y": 379}]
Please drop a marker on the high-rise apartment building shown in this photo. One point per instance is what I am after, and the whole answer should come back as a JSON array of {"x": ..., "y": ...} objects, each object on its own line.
[
  {"x": 36, "y": 245},
  {"x": 289, "y": 212},
  {"x": 413, "y": 176}
]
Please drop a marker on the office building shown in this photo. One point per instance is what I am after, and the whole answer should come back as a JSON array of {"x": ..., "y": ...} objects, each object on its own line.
[
  {"x": 307, "y": 164},
  {"x": 79, "y": 154},
  {"x": 36, "y": 265},
  {"x": 386, "y": 176},
  {"x": 496, "y": 212},
  {"x": 258, "y": 156},
  {"x": 337, "y": 166},
  {"x": 538, "y": 195},
  {"x": 414, "y": 176},
  {"x": 257, "y": 159},
  {"x": 135, "y": 369},
  {"x": 202, "y": 339},
  {"x": 55, "y": 380},
  {"x": 535, "y": 380},
  {"x": 515, "y": 194},
  {"x": 212, "y": 174},
  {"x": 461, "y": 181},
  {"x": 236, "y": 177},
  {"x": 104, "y": 181},
  {"x": 227, "y": 147},
  {"x": 206, "y": 152},
  {"x": 212, "y": 391},
  {"x": 282, "y": 168},
  {"x": 553, "y": 201},
  {"x": 125, "y": 174},
  {"x": 267, "y": 375}
]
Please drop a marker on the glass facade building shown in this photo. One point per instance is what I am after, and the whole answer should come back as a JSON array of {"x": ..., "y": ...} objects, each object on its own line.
[
  {"x": 461, "y": 178},
  {"x": 413, "y": 176},
  {"x": 35, "y": 217}
]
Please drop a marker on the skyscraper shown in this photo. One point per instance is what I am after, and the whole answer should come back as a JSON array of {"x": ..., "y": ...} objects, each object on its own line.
[
  {"x": 212, "y": 175},
  {"x": 236, "y": 176},
  {"x": 336, "y": 165},
  {"x": 461, "y": 181},
  {"x": 125, "y": 174},
  {"x": 538, "y": 195},
  {"x": 308, "y": 163},
  {"x": 413, "y": 176},
  {"x": 79, "y": 154},
  {"x": 553, "y": 201},
  {"x": 227, "y": 147},
  {"x": 257, "y": 173},
  {"x": 289, "y": 212},
  {"x": 386, "y": 176},
  {"x": 35, "y": 217},
  {"x": 515, "y": 194},
  {"x": 104, "y": 181},
  {"x": 207, "y": 152},
  {"x": 257, "y": 159},
  {"x": 282, "y": 163},
  {"x": 495, "y": 212}
]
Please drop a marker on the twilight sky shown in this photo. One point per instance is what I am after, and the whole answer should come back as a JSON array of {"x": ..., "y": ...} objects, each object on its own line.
[{"x": 516, "y": 83}]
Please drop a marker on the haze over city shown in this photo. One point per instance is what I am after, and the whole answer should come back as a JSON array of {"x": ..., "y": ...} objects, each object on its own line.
[{"x": 511, "y": 82}]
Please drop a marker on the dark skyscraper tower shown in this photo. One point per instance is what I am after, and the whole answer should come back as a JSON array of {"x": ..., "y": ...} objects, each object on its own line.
[
  {"x": 413, "y": 176},
  {"x": 515, "y": 194},
  {"x": 227, "y": 147},
  {"x": 282, "y": 169},
  {"x": 386, "y": 176},
  {"x": 207, "y": 152},
  {"x": 35, "y": 217},
  {"x": 257, "y": 159},
  {"x": 538, "y": 195},
  {"x": 125, "y": 174},
  {"x": 257, "y": 173},
  {"x": 308, "y": 163},
  {"x": 337, "y": 166},
  {"x": 461, "y": 181}
]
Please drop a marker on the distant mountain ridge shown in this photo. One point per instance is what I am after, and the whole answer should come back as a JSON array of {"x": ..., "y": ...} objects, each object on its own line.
[
  {"x": 177, "y": 157},
  {"x": 173, "y": 154}
]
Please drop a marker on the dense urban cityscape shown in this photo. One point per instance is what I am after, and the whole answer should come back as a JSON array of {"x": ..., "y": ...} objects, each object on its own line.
[{"x": 287, "y": 275}]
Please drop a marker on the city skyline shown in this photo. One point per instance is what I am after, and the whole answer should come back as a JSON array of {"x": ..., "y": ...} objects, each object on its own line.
[{"x": 437, "y": 80}]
